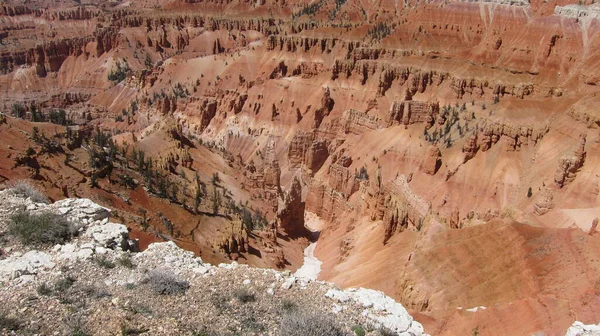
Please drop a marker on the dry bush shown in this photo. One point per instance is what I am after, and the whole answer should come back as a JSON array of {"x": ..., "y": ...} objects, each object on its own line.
[
  {"x": 302, "y": 324},
  {"x": 164, "y": 283},
  {"x": 26, "y": 189}
]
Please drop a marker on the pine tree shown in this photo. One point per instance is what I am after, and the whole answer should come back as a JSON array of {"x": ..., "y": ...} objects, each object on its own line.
[{"x": 216, "y": 201}]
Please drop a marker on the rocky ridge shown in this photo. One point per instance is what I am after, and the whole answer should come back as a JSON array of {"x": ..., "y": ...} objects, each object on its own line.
[{"x": 110, "y": 298}]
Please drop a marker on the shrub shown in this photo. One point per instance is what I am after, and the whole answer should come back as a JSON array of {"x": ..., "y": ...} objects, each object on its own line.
[
  {"x": 309, "y": 325},
  {"x": 125, "y": 261},
  {"x": 289, "y": 306},
  {"x": 26, "y": 189},
  {"x": 383, "y": 331},
  {"x": 104, "y": 262},
  {"x": 130, "y": 331},
  {"x": 164, "y": 283},
  {"x": 41, "y": 228},
  {"x": 359, "y": 330},
  {"x": 76, "y": 326},
  {"x": 9, "y": 323},
  {"x": 44, "y": 289},
  {"x": 244, "y": 296},
  {"x": 63, "y": 284}
]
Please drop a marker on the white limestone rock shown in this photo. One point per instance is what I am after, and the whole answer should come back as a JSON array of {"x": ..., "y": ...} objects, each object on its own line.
[
  {"x": 81, "y": 208},
  {"x": 108, "y": 235},
  {"x": 288, "y": 283},
  {"x": 580, "y": 329},
  {"x": 380, "y": 309},
  {"x": 29, "y": 263},
  {"x": 337, "y": 295}
]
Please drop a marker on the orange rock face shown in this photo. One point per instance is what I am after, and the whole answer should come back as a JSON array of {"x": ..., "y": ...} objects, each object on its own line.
[{"x": 450, "y": 150}]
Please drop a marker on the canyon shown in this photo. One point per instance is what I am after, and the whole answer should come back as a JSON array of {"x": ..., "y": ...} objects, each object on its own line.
[{"x": 446, "y": 153}]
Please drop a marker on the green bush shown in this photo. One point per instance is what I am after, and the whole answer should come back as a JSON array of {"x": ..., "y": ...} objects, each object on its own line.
[
  {"x": 359, "y": 330},
  {"x": 40, "y": 228}
]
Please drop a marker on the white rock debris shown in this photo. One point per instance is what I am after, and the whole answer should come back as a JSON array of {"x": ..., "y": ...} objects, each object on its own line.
[
  {"x": 580, "y": 329},
  {"x": 380, "y": 309}
]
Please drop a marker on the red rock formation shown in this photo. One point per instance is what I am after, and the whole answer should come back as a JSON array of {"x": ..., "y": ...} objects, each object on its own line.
[
  {"x": 432, "y": 160},
  {"x": 208, "y": 110},
  {"x": 357, "y": 122},
  {"x": 326, "y": 107},
  {"x": 594, "y": 226},
  {"x": 454, "y": 220},
  {"x": 291, "y": 211},
  {"x": 514, "y": 135},
  {"x": 470, "y": 147},
  {"x": 411, "y": 112},
  {"x": 569, "y": 165},
  {"x": 544, "y": 202}
]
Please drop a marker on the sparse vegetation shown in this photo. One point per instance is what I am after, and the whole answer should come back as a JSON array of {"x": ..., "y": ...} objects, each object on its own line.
[
  {"x": 125, "y": 261},
  {"x": 120, "y": 73},
  {"x": 103, "y": 262},
  {"x": 63, "y": 284},
  {"x": 127, "y": 330},
  {"x": 308, "y": 9},
  {"x": 9, "y": 323},
  {"x": 76, "y": 326},
  {"x": 216, "y": 201},
  {"x": 25, "y": 189},
  {"x": 44, "y": 290},
  {"x": 383, "y": 331},
  {"x": 40, "y": 228},
  {"x": 244, "y": 296},
  {"x": 289, "y": 306},
  {"x": 379, "y": 32},
  {"x": 18, "y": 110},
  {"x": 163, "y": 283},
  {"x": 303, "y": 324},
  {"x": 359, "y": 330}
]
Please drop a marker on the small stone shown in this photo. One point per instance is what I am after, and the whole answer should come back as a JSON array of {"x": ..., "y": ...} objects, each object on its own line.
[
  {"x": 247, "y": 282},
  {"x": 270, "y": 291},
  {"x": 87, "y": 246},
  {"x": 200, "y": 270},
  {"x": 287, "y": 284},
  {"x": 85, "y": 254},
  {"x": 115, "y": 301},
  {"x": 337, "y": 309}
]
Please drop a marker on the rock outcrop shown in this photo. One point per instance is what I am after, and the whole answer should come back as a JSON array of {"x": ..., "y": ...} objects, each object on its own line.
[
  {"x": 544, "y": 202},
  {"x": 291, "y": 211},
  {"x": 411, "y": 112},
  {"x": 306, "y": 151},
  {"x": 432, "y": 160},
  {"x": 569, "y": 165},
  {"x": 470, "y": 148}
]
